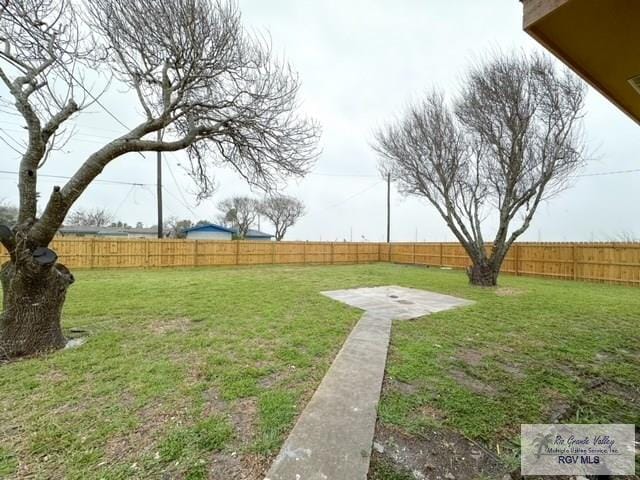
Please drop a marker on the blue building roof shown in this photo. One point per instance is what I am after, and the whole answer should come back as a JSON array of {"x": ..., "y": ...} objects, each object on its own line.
[
  {"x": 210, "y": 228},
  {"x": 219, "y": 228}
]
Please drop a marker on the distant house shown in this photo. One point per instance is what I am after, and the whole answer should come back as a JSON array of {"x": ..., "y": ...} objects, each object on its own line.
[
  {"x": 209, "y": 232},
  {"x": 108, "y": 232},
  {"x": 218, "y": 232},
  {"x": 256, "y": 235}
]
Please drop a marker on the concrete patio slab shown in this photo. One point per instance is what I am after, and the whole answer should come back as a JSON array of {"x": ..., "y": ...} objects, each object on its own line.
[
  {"x": 332, "y": 438},
  {"x": 400, "y": 302}
]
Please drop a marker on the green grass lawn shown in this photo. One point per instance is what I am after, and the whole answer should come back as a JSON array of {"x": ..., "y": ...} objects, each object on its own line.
[
  {"x": 192, "y": 371},
  {"x": 531, "y": 351}
]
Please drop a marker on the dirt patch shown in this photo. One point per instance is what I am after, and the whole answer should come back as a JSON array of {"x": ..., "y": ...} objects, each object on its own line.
[
  {"x": 225, "y": 466},
  {"x": 508, "y": 292},
  {"x": 391, "y": 384},
  {"x": 243, "y": 415},
  {"x": 471, "y": 357},
  {"x": 193, "y": 365},
  {"x": 165, "y": 326},
  {"x": 514, "y": 370},
  {"x": 436, "y": 454},
  {"x": 559, "y": 408},
  {"x": 568, "y": 369},
  {"x": 429, "y": 411},
  {"x": 142, "y": 440},
  {"x": 273, "y": 379},
  {"x": 214, "y": 403},
  {"x": 603, "y": 357},
  {"x": 471, "y": 383},
  {"x": 74, "y": 406},
  {"x": 627, "y": 393},
  {"x": 53, "y": 376},
  {"x": 127, "y": 399}
]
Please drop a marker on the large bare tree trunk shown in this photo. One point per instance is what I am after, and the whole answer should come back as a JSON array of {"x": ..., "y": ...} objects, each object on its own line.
[
  {"x": 33, "y": 297},
  {"x": 483, "y": 273}
]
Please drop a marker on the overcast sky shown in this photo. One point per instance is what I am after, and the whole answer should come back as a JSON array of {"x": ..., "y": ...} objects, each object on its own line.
[{"x": 360, "y": 62}]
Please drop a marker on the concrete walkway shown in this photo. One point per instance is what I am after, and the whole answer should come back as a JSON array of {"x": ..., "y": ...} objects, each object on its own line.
[{"x": 333, "y": 436}]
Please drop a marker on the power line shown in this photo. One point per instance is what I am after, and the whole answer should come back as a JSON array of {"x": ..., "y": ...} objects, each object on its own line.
[
  {"x": 180, "y": 202},
  {"x": 175, "y": 181},
  {"x": 84, "y": 140},
  {"x": 615, "y": 172},
  {"x": 64, "y": 177},
  {"x": 6, "y": 142},
  {"x": 370, "y": 187},
  {"x": 92, "y": 135},
  {"x": 20, "y": 127},
  {"x": 322, "y": 174},
  {"x": 115, "y": 214}
]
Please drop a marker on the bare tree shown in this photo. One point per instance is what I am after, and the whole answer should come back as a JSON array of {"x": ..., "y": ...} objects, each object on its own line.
[
  {"x": 175, "y": 228},
  {"x": 200, "y": 79},
  {"x": 120, "y": 224},
  {"x": 510, "y": 139},
  {"x": 239, "y": 213},
  {"x": 625, "y": 236},
  {"x": 98, "y": 217},
  {"x": 282, "y": 211}
]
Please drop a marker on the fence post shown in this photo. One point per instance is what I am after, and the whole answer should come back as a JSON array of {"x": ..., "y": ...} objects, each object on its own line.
[
  {"x": 146, "y": 253},
  {"x": 93, "y": 252},
  {"x": 441, "y": 258},
  {"x": 195, "y": 254},
  {"x": 237, "y": 252},
  {"x": 575, "y": 262},
  {"x": 331, "y": 256},
  {"x": 379, "y": 253},
  {"x": 414, "y": 254},
  {"x": 273, "y": 253},
  {"x": 516, "y": 251},
  {"x": 304, "y": 253}
]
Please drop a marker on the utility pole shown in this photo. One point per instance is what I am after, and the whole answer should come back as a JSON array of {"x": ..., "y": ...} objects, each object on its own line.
[
  {"x": 159, "y": 188},
  {"x": 388, "y": 207}
]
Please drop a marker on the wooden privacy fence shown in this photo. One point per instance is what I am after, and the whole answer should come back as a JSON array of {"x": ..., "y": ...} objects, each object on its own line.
[
  {"x": 602, "y": 262},
  {"x": 98, "y": 252},
  {"x": 605, "y": 262}
]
